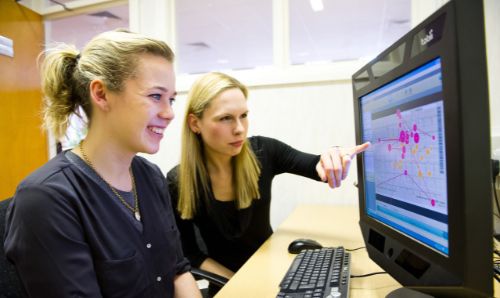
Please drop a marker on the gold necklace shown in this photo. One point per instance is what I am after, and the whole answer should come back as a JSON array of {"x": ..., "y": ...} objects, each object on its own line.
[{"x": 135, "y": 209}]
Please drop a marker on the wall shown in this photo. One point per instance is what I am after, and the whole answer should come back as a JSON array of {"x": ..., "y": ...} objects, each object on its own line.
[
  {"x": 23, "y": 146},
  {"x": 315, "y": 115}
]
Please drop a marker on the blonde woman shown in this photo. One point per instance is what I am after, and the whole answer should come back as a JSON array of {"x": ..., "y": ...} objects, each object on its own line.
[
  {"x": 94, "y": 221},
  {"x": 223, "y": 183}
]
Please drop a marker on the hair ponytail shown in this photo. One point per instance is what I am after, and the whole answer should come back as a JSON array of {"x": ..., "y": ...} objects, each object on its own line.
[{"x": 58, "y": 85}]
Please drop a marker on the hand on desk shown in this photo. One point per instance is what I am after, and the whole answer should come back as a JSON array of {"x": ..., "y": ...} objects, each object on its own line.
[{"x": 335, "y": 162}]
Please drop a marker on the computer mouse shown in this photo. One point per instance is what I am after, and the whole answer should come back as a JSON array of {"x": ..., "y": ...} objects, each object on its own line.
[{"x": 298, "y": 245}]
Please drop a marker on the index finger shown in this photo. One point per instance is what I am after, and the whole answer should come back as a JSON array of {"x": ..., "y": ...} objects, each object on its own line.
[{"x": 360, "y": 148}]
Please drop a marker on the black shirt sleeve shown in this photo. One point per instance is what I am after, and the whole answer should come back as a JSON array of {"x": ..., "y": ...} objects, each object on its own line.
[
  {"x": 189, "y": 240},
  {"x": 286, "y": 159},
  {"x": 46, "y": 228}
]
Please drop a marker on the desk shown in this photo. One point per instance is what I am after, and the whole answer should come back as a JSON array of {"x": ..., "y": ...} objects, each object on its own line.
[
  {"x": 328, "y": 224},
  {"x": 331, "y": 226}
]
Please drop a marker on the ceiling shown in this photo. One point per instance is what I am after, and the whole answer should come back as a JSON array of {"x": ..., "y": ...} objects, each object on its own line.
[
  {"x": 237, "y": 34},
  {"x": 79, "y": 29}
]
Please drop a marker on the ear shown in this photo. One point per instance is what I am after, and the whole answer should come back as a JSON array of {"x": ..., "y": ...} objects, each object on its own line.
[
  {"x": 193, "y": 123},
  {"x": 98, "y": 95}
]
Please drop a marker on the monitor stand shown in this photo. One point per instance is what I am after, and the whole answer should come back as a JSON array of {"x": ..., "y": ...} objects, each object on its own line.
[{"x": 407, "y": 293}]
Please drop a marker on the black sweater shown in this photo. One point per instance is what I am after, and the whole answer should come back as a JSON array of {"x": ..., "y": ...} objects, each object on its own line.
[
  {"x": 228, "y": 235},
  {"x": 68, "y": 236}
]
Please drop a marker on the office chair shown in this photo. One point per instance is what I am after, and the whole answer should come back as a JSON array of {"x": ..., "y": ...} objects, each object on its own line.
[
  {"x": 10, "y": 285},
  {"x": 212, "y": 278}
]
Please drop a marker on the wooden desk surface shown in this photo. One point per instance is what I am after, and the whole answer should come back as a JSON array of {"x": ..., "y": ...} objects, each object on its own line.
[{"x": 331, "y": 226}]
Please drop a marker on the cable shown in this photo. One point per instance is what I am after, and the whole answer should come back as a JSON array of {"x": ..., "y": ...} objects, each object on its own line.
[
  {"x": 353, "y": 249},
  {"x": 363, "y": 275},
  {"x": 368, "y": 274}
]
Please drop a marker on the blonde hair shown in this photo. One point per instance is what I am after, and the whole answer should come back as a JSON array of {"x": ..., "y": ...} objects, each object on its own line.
[
  {"x": 66, "y": 74},
  {"x": 192, "y": 168}
]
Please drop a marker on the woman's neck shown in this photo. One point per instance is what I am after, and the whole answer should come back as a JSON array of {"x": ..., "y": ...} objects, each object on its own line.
[
  {"x": 108, "y": 159},
  {"x": 220, "y": 171},
  {"x": 219, "y": 164}
]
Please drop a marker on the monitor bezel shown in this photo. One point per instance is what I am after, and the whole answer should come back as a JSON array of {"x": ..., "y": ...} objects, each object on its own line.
[
  {"x": 451, "y": 118},
  {"x": 363, "y": 204},
  {"x": 458, "y": 147}
]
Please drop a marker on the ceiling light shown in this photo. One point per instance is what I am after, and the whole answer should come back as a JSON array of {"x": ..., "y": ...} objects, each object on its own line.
[{"x": 316, "y": 5}]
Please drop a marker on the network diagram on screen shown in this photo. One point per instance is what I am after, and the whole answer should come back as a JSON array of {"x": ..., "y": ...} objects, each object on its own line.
[{"x": 405, "y": 168}]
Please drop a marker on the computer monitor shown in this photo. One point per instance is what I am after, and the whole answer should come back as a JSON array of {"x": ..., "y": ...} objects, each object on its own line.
[{"x": 425, "y": 183}]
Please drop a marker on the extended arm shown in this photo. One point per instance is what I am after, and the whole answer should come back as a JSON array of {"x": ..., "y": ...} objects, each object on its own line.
[{"x": 332, "y": 166}]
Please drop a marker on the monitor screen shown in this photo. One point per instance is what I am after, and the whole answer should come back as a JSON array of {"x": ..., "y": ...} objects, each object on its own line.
[
  {"x": 405, "y": 168},
  {"x": 425, "y": 182}
]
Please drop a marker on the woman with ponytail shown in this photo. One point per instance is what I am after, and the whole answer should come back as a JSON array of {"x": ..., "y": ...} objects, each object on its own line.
[{"x": 96, "y": 221}]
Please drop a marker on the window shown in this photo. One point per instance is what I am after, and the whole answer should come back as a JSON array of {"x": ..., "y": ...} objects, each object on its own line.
[
  {"x": 336, "y": 30},
  {"x": 223, "y": 34},
  {"x": 79, "y": 29}
]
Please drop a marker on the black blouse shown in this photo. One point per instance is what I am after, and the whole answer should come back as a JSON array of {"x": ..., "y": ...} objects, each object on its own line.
[
  {"x": 67, "y": 237},
  {"x": 228, "y": 235}
]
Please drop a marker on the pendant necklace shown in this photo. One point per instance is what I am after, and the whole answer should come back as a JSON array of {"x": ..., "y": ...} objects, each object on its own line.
[{"x": 135, "y": 208}]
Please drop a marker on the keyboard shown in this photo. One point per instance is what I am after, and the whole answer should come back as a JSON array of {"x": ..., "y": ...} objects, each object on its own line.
[{"x": 318, "y": 273}]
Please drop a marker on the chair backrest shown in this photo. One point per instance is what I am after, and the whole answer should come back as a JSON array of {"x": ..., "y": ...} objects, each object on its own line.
[{"x": 10, "y": 284}]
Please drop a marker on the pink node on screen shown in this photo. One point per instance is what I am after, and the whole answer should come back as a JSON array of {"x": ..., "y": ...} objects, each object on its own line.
[
  {"x": 414, "y": 127},
  {"x": 402, "y": 136},
  {"x": 416, "y": 137},
  {"x": 433, "y": 202},
  {"x": 406, "y": 172}
]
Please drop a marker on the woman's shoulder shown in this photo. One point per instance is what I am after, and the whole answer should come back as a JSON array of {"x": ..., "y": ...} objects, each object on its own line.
[
  {"x": 173, "y": 176},
  {"x": 47, "y": 174},
  {"x": 51, "y": 184},
  {"x": 258, "y": 142},
  {"x": 172, "y": 182},
  {"x": 262, "y": 145}
]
